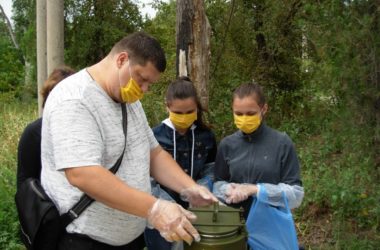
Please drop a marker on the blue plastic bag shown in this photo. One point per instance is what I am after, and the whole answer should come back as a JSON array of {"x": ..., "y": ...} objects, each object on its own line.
[{"x": 270, "y": 227}]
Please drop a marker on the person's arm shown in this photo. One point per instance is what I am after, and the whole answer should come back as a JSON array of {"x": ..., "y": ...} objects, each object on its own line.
[
  {"x": 235, "y": 193},
  {"x": 166, "y": 171},
  {"x": 102, "y": 185},
  {"x": 290, "y": 184},
  {"x": 293, "y": 193},
  {"x": 219, "y": 190},
  {"x": 78, "y": 151}
]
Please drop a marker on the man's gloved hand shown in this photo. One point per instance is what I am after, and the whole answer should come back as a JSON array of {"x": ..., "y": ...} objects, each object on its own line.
[
  {"x": 198, "y": 196},
  {"x": 236, "y": 193},
  {"x": 172, "y": 221}
]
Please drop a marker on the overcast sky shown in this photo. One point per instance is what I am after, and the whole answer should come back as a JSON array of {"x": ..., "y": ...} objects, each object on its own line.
[{"x": 7, "y": 6}]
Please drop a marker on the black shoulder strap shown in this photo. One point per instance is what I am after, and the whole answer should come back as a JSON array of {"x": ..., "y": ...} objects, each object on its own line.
[{"x": 86, "y": 200}]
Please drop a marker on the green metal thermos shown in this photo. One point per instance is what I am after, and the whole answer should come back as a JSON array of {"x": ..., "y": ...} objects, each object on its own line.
[{"x": 220, "y": 228}]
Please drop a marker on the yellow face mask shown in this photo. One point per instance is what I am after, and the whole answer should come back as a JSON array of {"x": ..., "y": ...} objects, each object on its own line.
[
  {"x": 131, "y": 92},
  {"x": 182, "y": 121},
  {"x": 247, "y": 123}
]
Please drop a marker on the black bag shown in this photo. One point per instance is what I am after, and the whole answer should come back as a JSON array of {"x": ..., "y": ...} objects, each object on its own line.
[
  {"x": 41, "y": 224},
  {"x": 39, "y": 218}
]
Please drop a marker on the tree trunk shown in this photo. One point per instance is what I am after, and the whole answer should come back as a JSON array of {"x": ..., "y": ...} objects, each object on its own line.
[
  {"x": 193, "y": 34},
  {"x": 41, "y": 49},
  {"x": 184, "y": 34}
]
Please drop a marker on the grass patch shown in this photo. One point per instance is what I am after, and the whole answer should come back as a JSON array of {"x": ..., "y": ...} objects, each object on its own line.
[{"x": 14, "y": 116}]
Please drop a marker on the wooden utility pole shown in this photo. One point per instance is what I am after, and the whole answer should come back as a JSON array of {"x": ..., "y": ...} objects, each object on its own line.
[
  {"x": 55, "y": 36},
  {"x": 41, "y": 49},
  {"x": 50, "y": 40},
  {"x": 193, "y": 34}
]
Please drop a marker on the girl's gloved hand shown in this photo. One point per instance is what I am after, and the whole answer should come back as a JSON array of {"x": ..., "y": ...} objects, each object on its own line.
[
  {"x": 236, "y": 193},
  {"x": 173, "y": 222},
  {"x": 198, "y": 196}
]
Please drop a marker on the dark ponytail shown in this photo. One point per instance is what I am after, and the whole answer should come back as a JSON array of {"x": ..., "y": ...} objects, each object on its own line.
[
  {"x": 183, "y": 88},
  {"x": 253, "y": 90}
]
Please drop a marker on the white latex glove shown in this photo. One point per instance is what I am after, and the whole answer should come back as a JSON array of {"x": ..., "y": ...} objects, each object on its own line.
[
  {"x": 236, "y": 193},
  {"x": 198, "y": 196},
  {"x": 173, "y": 222}
]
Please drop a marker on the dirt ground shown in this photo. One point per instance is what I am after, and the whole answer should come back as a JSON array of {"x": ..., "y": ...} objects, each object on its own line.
[{"x": 316, "y": 229}]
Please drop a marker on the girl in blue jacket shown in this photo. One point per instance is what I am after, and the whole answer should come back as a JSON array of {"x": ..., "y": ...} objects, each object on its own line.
[{"x": 191, "y": 143}]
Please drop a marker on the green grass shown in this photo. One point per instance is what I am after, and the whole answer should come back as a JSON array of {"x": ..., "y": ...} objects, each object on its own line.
[
  {"x": 14, "y": 116},
  {"x": 337, "y": 152}
]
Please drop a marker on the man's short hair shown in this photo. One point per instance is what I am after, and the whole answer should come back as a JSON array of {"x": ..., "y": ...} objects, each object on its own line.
[{"x": 142, "y": 48}]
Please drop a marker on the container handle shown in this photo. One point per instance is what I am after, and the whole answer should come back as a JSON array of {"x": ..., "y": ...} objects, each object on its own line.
[{"x": 215, "y": 213}]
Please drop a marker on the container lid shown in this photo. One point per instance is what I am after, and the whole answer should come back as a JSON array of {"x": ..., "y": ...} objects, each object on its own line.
[{"x": 218, "y": 221}]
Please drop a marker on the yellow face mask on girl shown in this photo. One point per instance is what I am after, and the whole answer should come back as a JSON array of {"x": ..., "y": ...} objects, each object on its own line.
[
  {"x": 247, "y": 123},
  {"x": 131, "y": 92},
  {"x": 182, "y": 121}
]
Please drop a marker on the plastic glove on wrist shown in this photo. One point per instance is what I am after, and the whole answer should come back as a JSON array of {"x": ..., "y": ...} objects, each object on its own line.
[
  {"x": 198, "y": 196},
  {"x": 239, "y": 192},
  {"x": 172, "y": 221}
]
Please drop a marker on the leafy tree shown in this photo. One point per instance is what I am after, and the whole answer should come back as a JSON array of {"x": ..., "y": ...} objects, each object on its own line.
[
  {"x": 344, "y": 47},
  {"x": 11, "y": 68},
  {"x": 162, "y": 27},
  {"x": 93, "y": 26},
  {"x": 258, "y": 40},
  {"x": 24, "y": 17},
  {"x": 17, "y": 58}
]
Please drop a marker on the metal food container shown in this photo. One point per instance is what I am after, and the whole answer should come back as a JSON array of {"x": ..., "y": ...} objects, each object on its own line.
[{"x": 220, "y": 228}]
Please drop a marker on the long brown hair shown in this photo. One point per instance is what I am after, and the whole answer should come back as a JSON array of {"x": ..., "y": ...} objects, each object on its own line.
[{"x": 55, "y": 77}]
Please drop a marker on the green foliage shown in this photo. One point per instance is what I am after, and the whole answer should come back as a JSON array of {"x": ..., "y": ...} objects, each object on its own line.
[
  {"x": 93, "y": 27},
  {"x": 162, "y": 25},
  {"x": 162, "y": 29},
  {"x": 340, "y": 209},
  {"x": 24, "y": 17},
  {"x": 11, "y": 68}
]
